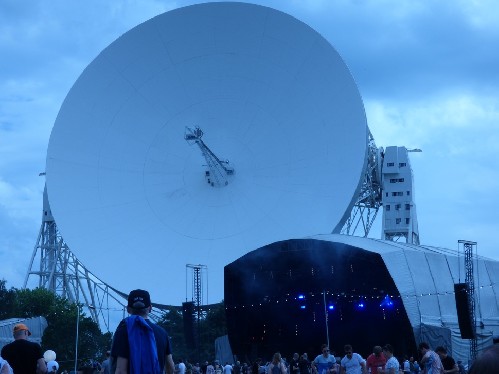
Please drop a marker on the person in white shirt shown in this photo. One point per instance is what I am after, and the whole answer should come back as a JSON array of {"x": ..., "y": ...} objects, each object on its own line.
[
  {"x": 227, "y": 368},
  {"x": 406, "y": 365},
  {"x": 352, "y": 363},
  {"x": 324, "y": 363},
  {"x": 392, "y": 364},
  {"x": 181, "y": 367},
  {"x": 5, "y": 367}
]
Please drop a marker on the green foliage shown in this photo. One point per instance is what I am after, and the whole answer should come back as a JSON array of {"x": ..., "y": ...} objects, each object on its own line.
[
  {"x": 211, "y": 326},
  {"x": 173, "y": 324},
  {"x": 7, "y": 300},
  {"x": 61, "y": 316}
]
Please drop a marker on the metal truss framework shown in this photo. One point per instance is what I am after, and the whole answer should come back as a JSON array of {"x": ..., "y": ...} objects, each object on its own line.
[
  {"x": 60, "y": 272},
  {"x": 197, "y": 298},
  {"x": 395, "y": 237},
  {"x": 55, "y": 268},
  {"x": 219, "y": 171},
  {"x": 368, "y": 202},
  {"x": 468, "y": 248},
  {"x": 197, "y": 284},
  {"x": 197, "y": 291}
]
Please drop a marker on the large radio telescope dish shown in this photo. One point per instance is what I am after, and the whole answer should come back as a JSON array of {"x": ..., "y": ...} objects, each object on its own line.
[{"x": 130, "y": 194}]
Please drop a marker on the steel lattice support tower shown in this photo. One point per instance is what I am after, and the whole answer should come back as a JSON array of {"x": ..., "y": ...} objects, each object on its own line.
[
  {"x": 61, "y": 272},
  {"x": 197, "y": 298},
  {"x": 468, "y": 247},
  {"x": 197, "y": 286},
  {"x": 369, "y": 200}
]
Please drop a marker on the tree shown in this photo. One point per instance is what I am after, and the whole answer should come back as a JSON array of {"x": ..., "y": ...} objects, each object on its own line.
[
  {"x": 7, "y": 300},
  {"x": 172, "y": 322},
  {"x": 211, "y": 326},
  {"x": 216, "y": 322},
  {"x": 61, "y": 315}
]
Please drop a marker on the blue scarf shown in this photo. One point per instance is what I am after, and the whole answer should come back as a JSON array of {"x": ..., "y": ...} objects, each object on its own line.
[{"x": 142, "y": 343}]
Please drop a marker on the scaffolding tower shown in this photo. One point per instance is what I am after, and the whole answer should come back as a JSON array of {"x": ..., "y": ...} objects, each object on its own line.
[
  {"x": 197, "y": 288},
  {"x": 468, "y": 248}
]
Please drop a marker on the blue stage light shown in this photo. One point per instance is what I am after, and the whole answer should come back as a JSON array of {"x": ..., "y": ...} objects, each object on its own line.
[
  {"x": 387, "y": 302},
  {"x": 360, "y": 305}
]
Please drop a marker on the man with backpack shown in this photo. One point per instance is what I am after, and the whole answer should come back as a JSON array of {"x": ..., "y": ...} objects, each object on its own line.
[{"x": 140, "y": 346}]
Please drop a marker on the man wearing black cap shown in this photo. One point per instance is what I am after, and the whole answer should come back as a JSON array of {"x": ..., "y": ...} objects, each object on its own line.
[
  {"x": 24, "y": 356},
  {"x": 139, "y": 345}
]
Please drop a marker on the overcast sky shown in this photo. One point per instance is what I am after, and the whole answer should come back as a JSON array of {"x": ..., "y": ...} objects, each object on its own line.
[{"x": 428, "y": 73}]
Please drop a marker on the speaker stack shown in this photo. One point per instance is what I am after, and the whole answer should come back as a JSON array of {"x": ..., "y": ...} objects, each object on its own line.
[
  {"x": 466, "y": 324},
  {"x": 188, "y": 318}
]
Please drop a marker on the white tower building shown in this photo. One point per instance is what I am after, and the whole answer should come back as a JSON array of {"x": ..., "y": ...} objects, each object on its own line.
[{"x": 399, "y": 212}]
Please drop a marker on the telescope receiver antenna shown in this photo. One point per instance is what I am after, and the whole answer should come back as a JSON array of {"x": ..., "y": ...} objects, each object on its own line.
[{"x": 219, "y": 171}]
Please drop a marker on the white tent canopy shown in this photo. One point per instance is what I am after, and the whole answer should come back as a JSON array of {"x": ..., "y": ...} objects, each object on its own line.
[{"x": 425, "y": 278}]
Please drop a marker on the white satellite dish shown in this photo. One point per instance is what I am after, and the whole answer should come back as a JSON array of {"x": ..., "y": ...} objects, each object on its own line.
[{"x": 132, "y": 197}]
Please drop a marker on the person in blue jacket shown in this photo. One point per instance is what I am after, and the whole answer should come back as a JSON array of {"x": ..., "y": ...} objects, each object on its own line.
[{"x": 139, "y": 345}]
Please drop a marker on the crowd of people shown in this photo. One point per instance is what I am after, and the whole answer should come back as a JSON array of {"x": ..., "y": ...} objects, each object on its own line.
[
  {"x": 381, "y": 361},
  {"x": 142, "y": 347}
]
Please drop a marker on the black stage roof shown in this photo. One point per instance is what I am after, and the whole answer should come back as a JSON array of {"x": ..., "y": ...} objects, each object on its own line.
[{"x": 289, "y": 296}]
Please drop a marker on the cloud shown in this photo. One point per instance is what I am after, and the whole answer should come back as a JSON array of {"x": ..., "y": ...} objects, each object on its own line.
[
  {"x": 410, "y": 49},
  {"x": 18, "y": 204},
  {"x": 427, "y": 72},
  {"x": 457, "y": 175},
  {"x": 19, "y": 231},
  {"x": 436, "y": 120}
]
